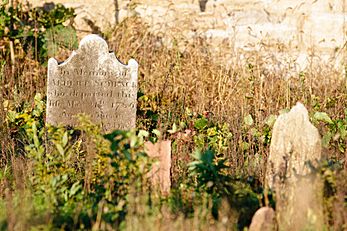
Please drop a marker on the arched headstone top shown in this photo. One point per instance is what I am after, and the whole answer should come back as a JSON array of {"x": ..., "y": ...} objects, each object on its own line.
[
  {"x": 93, "y": 48},
  {"x": 94, "y": 43}
]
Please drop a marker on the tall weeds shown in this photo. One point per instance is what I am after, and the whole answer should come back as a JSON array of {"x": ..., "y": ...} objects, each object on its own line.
[
  {"x": 183, "y": 86},
  {"x": 192, "y": 79}
]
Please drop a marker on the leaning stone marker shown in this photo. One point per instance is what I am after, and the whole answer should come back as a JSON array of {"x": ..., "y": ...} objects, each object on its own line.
[
  {"x": 94, "y": 82},
  {"x": 295, "y": 142}
]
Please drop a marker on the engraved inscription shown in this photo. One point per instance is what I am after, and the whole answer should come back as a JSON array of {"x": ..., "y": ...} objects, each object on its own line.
[{"x": 96, "y": 84}]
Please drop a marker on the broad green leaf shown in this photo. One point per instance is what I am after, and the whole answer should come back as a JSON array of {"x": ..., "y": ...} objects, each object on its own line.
[
  {"x": 54, "y": 181},
  {"x": 127, "y": 154},
  {"x": 143, "y": 133},
  {"x": 207, "y": 156},
  {"x": 248, "y": 120},
  {"x": 341, "y": 148},
  {"x": 343, "y": 131},
  {"x": 197, "y": 154},
  {"x": 174, "y": 129},
  {"x": 11, "y": 116},
  {"x": 64, "y": 178},
  {"x": 38, "y": 97},
  {"x": 322, "y": 116},
  {"x": 134, "y": 140},
  {"x": 270, "y": 120},
  {"x": 200, "y": 123},
  {"x": 60, "y": 149},
  {"x": 35, "y": 138},
  {"x": 326, "y": 139},
  {"x": 65, "y": 139},
  {"x": 39, "y": 105},
  {"x": 156, "y": 132},
  {"x": 75, "y": 188}
]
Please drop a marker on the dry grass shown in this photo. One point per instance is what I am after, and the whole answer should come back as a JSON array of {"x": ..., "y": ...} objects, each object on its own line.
[
  {"x": 192, "y": 79},
  {"x": 177, "y": 80}
]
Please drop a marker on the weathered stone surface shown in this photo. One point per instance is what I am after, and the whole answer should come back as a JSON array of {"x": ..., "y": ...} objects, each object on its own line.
[
  {"x": 160, "y": 172},
  {"x": 92, "y": 81},
  {"x": 313, "y": 28},
  {"x": 320, "y": 23},
  {"x": 295, "y": 142},
  {"x": 263, "y": 220}
]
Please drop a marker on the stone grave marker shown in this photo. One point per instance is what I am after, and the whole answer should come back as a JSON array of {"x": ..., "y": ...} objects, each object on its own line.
[
  {"x": 94, "y": 82},
  {"x": 263, "y": 220},
  {"x": 160, "y": 173},
  {"x": 299, "y": 199}
]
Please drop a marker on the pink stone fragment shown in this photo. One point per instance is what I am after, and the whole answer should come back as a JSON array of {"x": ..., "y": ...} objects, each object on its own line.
[{"x": 160, "y": 172}]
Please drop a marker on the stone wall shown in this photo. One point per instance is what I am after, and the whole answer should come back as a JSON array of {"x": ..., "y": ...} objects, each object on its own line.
[
  {"x": 320, "y": 23},
  {"x": 299, "y": 27}
]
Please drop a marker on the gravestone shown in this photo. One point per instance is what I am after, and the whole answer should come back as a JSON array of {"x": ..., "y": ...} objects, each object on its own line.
[
  {"x": 94, "y": 82},
  {"x": 263, "y": 220},
  {"x": 295, "y": 148},
  {"x": 160, "y": 173}
]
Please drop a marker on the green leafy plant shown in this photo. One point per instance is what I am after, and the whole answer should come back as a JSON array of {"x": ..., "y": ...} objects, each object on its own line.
[
  {"x": 80, "y": 168},
  {"x": 39, "y": 30},
  {"x": 204, "y": 132},
  {"x": 215, "y": 136},
  {"x": 211, "y": 177},
  {"x": 336, "y": 132}
]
